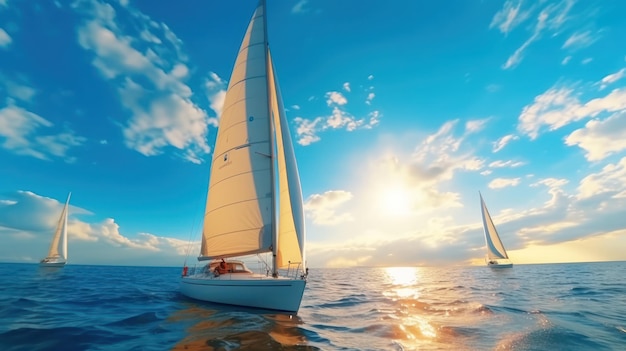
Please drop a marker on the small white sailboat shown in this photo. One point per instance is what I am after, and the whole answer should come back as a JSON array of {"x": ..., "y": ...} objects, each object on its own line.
[
  {"x": 496, "y": 254},
  {"x": 57, "y": 255},
  {"x": 254, "y": 201}
]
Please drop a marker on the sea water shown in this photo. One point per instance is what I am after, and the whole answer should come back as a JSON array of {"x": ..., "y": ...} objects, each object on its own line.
[{"x": 579, "y": 306}]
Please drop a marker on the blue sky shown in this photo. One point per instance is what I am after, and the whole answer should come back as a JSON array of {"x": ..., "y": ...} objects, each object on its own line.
[{"x": 402, "y": 111}]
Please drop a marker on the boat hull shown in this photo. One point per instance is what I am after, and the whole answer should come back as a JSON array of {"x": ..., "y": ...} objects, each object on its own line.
[
  {"x": 52, "y": 264},
  {"x": 281, "y": 294},
  {"x": 500, "y": 265}
]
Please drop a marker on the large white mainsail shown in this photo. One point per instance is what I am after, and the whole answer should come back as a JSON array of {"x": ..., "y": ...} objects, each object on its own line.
[
  {"x": 239, "y": 211},
  {"x": 495, "y": 248},
  {"x": 254, "y": 201},
  {"x": 57, "y": 254}
]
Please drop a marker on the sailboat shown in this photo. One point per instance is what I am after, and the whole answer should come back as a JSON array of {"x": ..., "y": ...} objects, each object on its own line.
[
  {"x": 254, "y": 201},
  {"x": 57, "y": 255},
  {"x": 496, "y": 254}
]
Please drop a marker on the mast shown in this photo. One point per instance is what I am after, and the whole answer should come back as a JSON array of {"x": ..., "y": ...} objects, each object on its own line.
[{"x": 274, "y": 227}]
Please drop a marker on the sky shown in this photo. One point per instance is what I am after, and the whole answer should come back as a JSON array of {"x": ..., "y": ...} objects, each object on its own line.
[{"x": 401, "y": 112}]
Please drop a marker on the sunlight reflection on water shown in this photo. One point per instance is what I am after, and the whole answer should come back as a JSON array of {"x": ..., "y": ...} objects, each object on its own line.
[
  {"x": 230, "y": 328},
  {"x": 415, "y": 326}
]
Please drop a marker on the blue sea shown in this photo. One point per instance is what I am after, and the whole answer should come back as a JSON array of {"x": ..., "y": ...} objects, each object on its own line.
[{"x": 578, "y": 306}]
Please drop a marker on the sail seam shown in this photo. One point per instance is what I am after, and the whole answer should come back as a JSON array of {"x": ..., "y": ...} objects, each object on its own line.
[
  {"x": 236, "y": 175},
  {"x": 243, "y": 80},
  {"x": 235, "y": 203}
]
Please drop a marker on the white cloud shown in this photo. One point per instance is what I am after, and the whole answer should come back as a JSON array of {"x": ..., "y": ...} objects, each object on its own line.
[
  {"x": 370, "y": 77},
  {"x": 5, "y": 39},
  {"x": 609, "y": 181},
  {"x": 150, "y": 84},
  {"x": 492, "y": 88},
  {"x": 551, "y": 182},
  {"x": 16, "y": 90},
  {"x": 509, "y": 16},
  {"x": 500, "y": 183},
  {"x": 340, "y": 119},
  {"x": 558, "y": 107},
  {"x": 337, "y": 98},
  {"x": 374, "y": 119},
  {"x": 168, "y": 120},
  {"x": 476, "y": 125},
  {"x": 550, "y": 18},
  {"x": 612, "y": 78},
  {"x": 323, "y": 208},
  {"x": 586, "y": 60},
  {"x": 146, "y": 35},
  {"x": 299, "y": 7},
  {"x": 579, "y": 40},
  {"x": 216, "y": 93},
  {"x": 502, "y": 164},
  {"x": 517, "y": 56},
  {"x": 27, "y": 211},
  {"x": 504, "y": 141},
  {"x": 179, "y": 71},
  {"x": 23, "y": 132},
  {"x": 307, "y": 130},
  {"x": 566, "y": 60},
  {"x": 601, "y": 138}
]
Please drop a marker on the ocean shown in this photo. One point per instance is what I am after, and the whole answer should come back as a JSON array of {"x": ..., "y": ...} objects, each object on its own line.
[{"x": 577, "y": 306}]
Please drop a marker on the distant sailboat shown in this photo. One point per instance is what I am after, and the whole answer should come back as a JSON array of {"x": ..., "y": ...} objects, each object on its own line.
[
  {"x": 496, "y": 254},
  {"x": 254, "y": 202},
  {"x": 57, "y": 255}
]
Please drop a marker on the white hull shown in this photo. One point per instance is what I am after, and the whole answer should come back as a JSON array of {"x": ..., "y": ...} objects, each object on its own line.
[
  {"x": 510, "y": 265},
  {"x": 500, "y": 265},
  {"x": 282, "y": 294},
  {"x": 52, "y": 263}
]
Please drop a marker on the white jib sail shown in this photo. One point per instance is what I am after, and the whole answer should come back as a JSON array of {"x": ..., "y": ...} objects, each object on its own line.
[
  {"x": 495, "y": 249},
  {"x": 291, "y": 233}
]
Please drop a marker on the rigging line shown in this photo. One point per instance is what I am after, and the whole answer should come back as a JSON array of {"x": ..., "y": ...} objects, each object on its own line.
[{"x": 193, "y": 224}]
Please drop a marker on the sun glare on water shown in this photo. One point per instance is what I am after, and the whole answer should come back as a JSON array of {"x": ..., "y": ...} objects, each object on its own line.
[{"x": 403, "y": 280}]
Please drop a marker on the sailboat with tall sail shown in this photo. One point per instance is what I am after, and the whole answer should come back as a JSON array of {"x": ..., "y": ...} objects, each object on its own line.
[
  {"x": 57, "y": 254},
  {"x": 496, "y": 254},
  {"x": 254, "y": 201}
]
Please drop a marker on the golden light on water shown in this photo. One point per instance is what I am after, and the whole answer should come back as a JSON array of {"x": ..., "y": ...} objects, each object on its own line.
[
  {"x": 402, "y": 280},
  {"x": 403, "y": 287},
  {"x": 402, "y": 275}
]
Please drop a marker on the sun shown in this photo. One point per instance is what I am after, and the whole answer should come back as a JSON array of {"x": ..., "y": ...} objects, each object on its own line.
[{"x": 396, "y": 201}]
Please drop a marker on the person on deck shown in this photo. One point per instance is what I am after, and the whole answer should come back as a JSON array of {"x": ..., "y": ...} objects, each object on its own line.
[{"x": 221, "y": 269}]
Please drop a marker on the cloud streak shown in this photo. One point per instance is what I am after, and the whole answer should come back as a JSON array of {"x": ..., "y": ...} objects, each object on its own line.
[
  {"x": 560, "y": 106},
  {"x": 24, "y": 134},
  {"x": 323, "y": 208}
]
